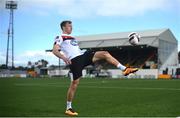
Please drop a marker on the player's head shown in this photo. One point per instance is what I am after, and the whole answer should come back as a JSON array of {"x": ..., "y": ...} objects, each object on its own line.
[{"x": 66, "y": 26}]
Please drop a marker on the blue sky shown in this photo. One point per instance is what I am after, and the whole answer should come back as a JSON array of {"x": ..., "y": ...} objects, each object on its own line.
[{"x": 37, "y": 22}]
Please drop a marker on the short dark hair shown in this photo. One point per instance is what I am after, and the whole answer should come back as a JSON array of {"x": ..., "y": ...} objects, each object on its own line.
[{"x": 63, "y": 23}]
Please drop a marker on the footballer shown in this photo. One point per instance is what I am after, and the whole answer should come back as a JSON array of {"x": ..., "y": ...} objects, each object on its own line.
[{"x": 73, "y": 56}]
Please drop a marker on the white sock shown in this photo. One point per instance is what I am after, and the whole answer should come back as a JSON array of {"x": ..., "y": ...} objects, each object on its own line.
[
  {"x": 120, "y": 66},
  {"x": 68, "y": 105}
]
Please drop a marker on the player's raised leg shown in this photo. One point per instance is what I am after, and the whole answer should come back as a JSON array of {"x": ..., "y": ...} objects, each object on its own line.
[
  {"x": 99, "y": 55},
  {"x": 70, "y": 95}
]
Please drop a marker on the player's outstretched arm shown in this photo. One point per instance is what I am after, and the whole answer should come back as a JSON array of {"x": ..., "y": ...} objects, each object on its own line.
[{"x": 56, "y": 52}]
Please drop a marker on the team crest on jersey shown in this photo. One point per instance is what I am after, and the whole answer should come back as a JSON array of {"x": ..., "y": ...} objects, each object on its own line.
[{"x": 74, "y": 42}]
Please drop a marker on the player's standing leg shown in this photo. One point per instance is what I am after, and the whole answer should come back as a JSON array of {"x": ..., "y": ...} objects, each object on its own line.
[{"x": 70, "y": 95}]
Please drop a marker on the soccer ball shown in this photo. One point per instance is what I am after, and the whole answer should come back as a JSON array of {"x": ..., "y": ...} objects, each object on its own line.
[{"x": 134, "y": 38}]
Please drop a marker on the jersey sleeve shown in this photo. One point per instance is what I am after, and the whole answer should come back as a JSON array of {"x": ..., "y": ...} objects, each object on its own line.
[{"x": 58, "y": 40}]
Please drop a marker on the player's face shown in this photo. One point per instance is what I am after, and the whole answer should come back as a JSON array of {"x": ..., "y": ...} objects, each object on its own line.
[{"x": 68, "y": 28}]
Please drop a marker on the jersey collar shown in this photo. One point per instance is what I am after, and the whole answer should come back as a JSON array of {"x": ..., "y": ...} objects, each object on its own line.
[{"x": 65, "y": 34}]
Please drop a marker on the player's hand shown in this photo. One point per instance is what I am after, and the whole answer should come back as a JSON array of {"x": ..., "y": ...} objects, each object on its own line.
[{"x": 67, "y": 61}]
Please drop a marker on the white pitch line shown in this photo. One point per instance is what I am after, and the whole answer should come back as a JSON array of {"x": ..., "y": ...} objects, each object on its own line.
[
  {"x": 100, "y": 87},
  {"x": 173, "y": 89}
]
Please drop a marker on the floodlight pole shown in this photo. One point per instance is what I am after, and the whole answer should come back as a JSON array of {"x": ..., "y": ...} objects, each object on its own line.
[{"x": 11, "y": 5}]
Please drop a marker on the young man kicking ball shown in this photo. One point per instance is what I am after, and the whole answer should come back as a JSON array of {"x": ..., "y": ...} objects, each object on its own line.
[{"x": 77, "y": 60}]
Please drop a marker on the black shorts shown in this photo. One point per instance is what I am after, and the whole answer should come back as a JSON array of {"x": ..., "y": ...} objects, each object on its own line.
[{"x": 79, "y": 62}]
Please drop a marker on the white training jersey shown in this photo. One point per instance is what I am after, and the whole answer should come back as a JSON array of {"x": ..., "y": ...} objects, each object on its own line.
[{"x": 68, "y": 45}]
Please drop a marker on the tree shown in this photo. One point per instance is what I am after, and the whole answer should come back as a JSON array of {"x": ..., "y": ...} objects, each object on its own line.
[{"x": 3, "y": 66}]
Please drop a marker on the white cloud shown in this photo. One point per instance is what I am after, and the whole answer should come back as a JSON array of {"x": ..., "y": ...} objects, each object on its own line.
[
  {"x": 90, "y": 8},
  {"x": 2, "y": 58},
  {"x": 31, "y": 55},
  {"x": 129, "y": 7},
  {"x": 34, "y": 56},
  {"x": 2, "y": 4}
]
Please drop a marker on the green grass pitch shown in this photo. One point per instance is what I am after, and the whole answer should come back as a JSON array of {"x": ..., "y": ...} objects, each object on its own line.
[{"x": 94, "y": 97}]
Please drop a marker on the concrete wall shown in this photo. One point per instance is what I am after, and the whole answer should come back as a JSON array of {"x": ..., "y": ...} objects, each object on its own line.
[
  {"x": 142, "y": 73},
  {"x": 57, "y": 72}
]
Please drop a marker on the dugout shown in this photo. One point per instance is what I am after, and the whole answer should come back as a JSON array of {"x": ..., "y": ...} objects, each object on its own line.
[{"x": 157, "y": 52}]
